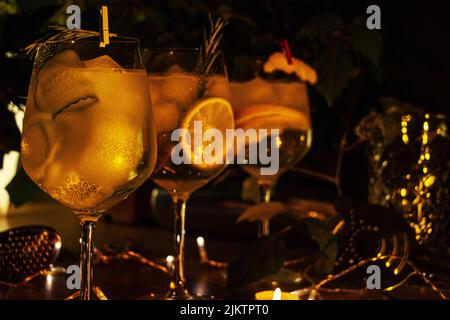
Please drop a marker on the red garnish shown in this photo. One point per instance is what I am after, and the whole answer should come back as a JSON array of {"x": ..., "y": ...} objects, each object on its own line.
[{"x": 287, "y": 51}]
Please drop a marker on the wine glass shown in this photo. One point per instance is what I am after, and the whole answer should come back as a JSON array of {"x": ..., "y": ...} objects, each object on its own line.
[
  {"x": 88, "y": 138},
  {"x": 187, "y": 91},
  {"x": 275, "y": 101}
]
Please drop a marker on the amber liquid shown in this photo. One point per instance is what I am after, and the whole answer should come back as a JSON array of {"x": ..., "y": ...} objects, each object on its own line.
[
  {"x": 172, "y": 97},
  {"x": 88, "y": 140}
]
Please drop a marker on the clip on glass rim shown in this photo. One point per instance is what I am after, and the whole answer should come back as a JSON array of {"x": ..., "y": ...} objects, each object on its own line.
[{"x": 104, "y": 34}]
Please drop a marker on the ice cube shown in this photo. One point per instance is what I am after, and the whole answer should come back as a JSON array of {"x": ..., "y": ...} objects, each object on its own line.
[
  {"x": 40, "y": 146},
  {"x": 35, "y": 149},
  {"x": 60, "y": 83},
  {"x": 98, "y": 144},
  {"x": 218, "y": 87},
  {"x": 104, "y": 143},
  {"x": 180, "y": 88},
  {"x": 175, "y": 69},
  {"x": 166, "y": 116},
  {"x": 292, "y": 94},
  {"x": 67, "y": 58},
  {"x": 102, "y": 62},
  {"x": 154, "y": 84},
  {"x": 256, "y": 91}
]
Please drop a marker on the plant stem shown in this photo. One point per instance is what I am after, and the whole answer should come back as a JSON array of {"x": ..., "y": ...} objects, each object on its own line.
[{"x": 265, "y": 193}]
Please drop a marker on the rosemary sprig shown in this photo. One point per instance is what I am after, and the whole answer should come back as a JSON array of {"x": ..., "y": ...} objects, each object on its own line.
[
  {"x": 61, "y": 34},
  {"x": 209, "y": 50}
]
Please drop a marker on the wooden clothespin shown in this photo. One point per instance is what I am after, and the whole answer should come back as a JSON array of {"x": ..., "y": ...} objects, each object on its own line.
[{"x": 104, "y": 24}]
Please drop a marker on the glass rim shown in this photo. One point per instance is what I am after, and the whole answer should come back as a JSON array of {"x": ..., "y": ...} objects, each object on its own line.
[{"x": 95, "y": 39}]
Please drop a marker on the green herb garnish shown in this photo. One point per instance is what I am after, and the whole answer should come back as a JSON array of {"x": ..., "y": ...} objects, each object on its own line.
[
  {"x": 209, "y": 51},
  {"x": 61, "y": 34}
]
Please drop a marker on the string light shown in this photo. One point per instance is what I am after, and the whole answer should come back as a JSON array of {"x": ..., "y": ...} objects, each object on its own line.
[
  {"x": 204, "y": 255},
  {"x": 362, "y": 263}
]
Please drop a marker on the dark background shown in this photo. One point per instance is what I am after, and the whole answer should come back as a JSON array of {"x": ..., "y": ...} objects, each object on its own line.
[{"x": 412, "y": 64}]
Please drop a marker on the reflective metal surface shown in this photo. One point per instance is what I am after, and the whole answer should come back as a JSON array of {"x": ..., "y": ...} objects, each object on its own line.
[{"x": 25, "y": 251}]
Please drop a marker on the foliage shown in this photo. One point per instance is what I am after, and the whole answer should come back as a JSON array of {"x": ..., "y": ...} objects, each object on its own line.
[
  {"x": 262, "y": 258},
  {"x": 343, "y": 50},
  {"x": 21, "y": 21},
  {"x": 21, "y": 189},
  {"x": 331, "y": 240}
]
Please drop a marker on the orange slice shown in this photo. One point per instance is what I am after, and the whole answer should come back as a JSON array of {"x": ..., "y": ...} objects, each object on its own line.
[
  {"x": 267, "y": 116},
  {"x": 214, "y": 113},
  {"x": 278, "y": 62}
]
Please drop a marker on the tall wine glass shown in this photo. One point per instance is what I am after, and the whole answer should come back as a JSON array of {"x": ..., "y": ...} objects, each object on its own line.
[
  {"x": 186, "y": 94},
  {"x": 262, "y": 101},
  {"x": 88, "y": 137}
]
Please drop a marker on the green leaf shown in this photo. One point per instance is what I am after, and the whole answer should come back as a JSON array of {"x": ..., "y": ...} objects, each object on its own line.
[
  {"x": 9, "y": 133},
  {"x": 318, "y": 232},
  {"x": 321, "y": 26},
  {"x": 262, "y": 258},
  {"x": 8, "y": 7},
  {"x": 21, "y": 189},
  {"x": 263, "y": 211},
  {"x": 335, "y": 70},
  {"x": 368, "y": 43},
  {"x": 27, "y": 6},
  {"x": 250, "y": 190},
  {"x": 327, "y": 244},
  {"x": 325, "y": 263}
]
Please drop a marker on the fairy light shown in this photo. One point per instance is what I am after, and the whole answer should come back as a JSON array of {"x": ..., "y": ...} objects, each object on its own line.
[
  {"x": 338, "y": 227},
  {"x": 429, "y": 181},
  {"x": 278, "y": 142},
  {"x": 48, "y": 282},
  {"x": 277, "y": 294},
  {"x": 203, "y": 254},
  {"x": 405, "y": 120},
  {"x": 420, "y": 218},
  {"x": 170, "y": 262},
  {"x": 403, "y": 192},
  {"x": 201, "y": 249},
  {"x": 416, "y": 271},
  {"x": 313, "y": 290}
]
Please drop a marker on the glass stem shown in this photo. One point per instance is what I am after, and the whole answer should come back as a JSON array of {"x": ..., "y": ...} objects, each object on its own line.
[
  {"x": 86, "y": 259},
  {"x": 264, "y": 226},
  {"x": 178, "y": 284}
]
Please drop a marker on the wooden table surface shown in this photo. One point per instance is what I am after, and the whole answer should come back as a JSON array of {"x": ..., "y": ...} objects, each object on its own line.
[{"x": 131, "y": 280}]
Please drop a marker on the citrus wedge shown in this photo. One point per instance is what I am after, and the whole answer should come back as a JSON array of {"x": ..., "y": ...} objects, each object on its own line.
[
  {"x": 214, "y": 113},
  {"x": 278, "y": 62},
  {"x": 268, "y": 116}
]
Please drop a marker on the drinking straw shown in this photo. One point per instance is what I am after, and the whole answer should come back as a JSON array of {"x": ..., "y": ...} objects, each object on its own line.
[{"x": 287, "y": 50}]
